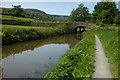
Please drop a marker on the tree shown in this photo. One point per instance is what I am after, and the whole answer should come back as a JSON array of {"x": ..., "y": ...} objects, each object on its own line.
[
  {"x": 104, "y": 12},
  {"x": 117, "y": 19},
  {"x": 17, "y": 11},
  {"x": 80, "y": 14}
]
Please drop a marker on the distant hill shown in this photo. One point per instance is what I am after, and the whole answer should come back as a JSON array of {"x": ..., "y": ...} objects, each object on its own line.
[
  {"x": 61, "y": 17},
  {"x": 37, "y": 13}
]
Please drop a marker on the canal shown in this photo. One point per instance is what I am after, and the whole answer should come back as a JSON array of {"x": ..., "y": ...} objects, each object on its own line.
[{"x": 33, "y": 59}]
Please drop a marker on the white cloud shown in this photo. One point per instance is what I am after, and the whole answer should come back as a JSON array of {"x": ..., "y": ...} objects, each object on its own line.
[{"x": 53, "y": 0}]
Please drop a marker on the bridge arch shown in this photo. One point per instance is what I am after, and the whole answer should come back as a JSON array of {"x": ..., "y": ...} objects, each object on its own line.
[{"x": 80, "y": 29}]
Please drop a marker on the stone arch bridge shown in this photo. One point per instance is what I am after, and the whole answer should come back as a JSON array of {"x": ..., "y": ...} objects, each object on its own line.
[{"x": 81, "y": 26}]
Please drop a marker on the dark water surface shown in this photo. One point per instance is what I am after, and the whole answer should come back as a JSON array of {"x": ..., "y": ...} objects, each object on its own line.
[{"x": 33, "y": 59}]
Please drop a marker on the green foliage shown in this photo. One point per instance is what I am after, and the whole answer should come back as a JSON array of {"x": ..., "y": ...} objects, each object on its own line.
[
  {"x": 77, "y": 62},
  {"x": 112, "y": 27},
  {"x": 117, "y": 19},
  {"x": 17, "y": 11},
  {"x": 80, "y": 14},
  {"x": 104, "y": 12},
  {"x": 110, "y": 43},
  {"x": 13, "y": 33}
]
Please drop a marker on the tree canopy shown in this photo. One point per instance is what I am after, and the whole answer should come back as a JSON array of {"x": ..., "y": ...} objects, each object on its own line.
[
  {"x": 117, "y": 18},
  {"x": 17, "y": 11},
  {"x": 104, "y": 12},
  {"x": 80, "y": 14}
]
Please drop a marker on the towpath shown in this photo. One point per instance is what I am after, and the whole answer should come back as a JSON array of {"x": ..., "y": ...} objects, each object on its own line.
[{"x": 102, "y": 69}]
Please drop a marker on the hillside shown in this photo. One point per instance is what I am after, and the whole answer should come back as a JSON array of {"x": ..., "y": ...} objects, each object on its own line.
[{"x": 36, "y": 13}]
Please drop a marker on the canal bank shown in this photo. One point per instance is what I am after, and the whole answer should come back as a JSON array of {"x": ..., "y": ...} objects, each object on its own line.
[
  {"x": 78, "y": 62},
  {"x": 17, "y": 33},
  {"x": 37, "y": 56}
]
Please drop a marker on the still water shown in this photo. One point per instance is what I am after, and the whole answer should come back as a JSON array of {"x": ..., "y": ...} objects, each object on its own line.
[{"x": 33, "y": 59}]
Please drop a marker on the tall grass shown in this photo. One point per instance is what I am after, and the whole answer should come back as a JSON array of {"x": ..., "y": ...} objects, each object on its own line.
[
  {"x": 14, "y": 33},
  {"x": 110, "y": 43},
  {"x": 77, "y": 62}
]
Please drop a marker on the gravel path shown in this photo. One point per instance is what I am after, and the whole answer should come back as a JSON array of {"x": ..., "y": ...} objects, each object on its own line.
[{"x": 102, "y": 69}]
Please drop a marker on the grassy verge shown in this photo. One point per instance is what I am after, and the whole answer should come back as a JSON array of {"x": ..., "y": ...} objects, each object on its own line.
[
  {"x": 77, "y": 62},
  {"x": 109, "y": 39},
  {"x": 14, "y": 33}
]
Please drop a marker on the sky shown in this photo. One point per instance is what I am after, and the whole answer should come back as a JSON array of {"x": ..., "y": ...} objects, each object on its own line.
[
  {"x": 57, "y": 8},
  {"x": 53, "y": 0}
]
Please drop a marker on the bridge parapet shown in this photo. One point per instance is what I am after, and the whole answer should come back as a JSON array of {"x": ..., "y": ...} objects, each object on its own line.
[{"x": 76, "y": 24}]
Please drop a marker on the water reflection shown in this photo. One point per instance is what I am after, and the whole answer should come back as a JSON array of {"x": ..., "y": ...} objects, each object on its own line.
[
  {"x": 34, "y": 58},
  {"x": 31, "y": 45}
]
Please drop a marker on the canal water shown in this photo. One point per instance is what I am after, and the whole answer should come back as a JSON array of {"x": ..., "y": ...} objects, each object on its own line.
[{"x": 33, "y": 59}]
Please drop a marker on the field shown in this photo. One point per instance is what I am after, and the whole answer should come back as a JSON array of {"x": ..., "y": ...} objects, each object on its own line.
[
  {"x": 15, "y": 33},
  {"x": 8, "y": 17}
]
